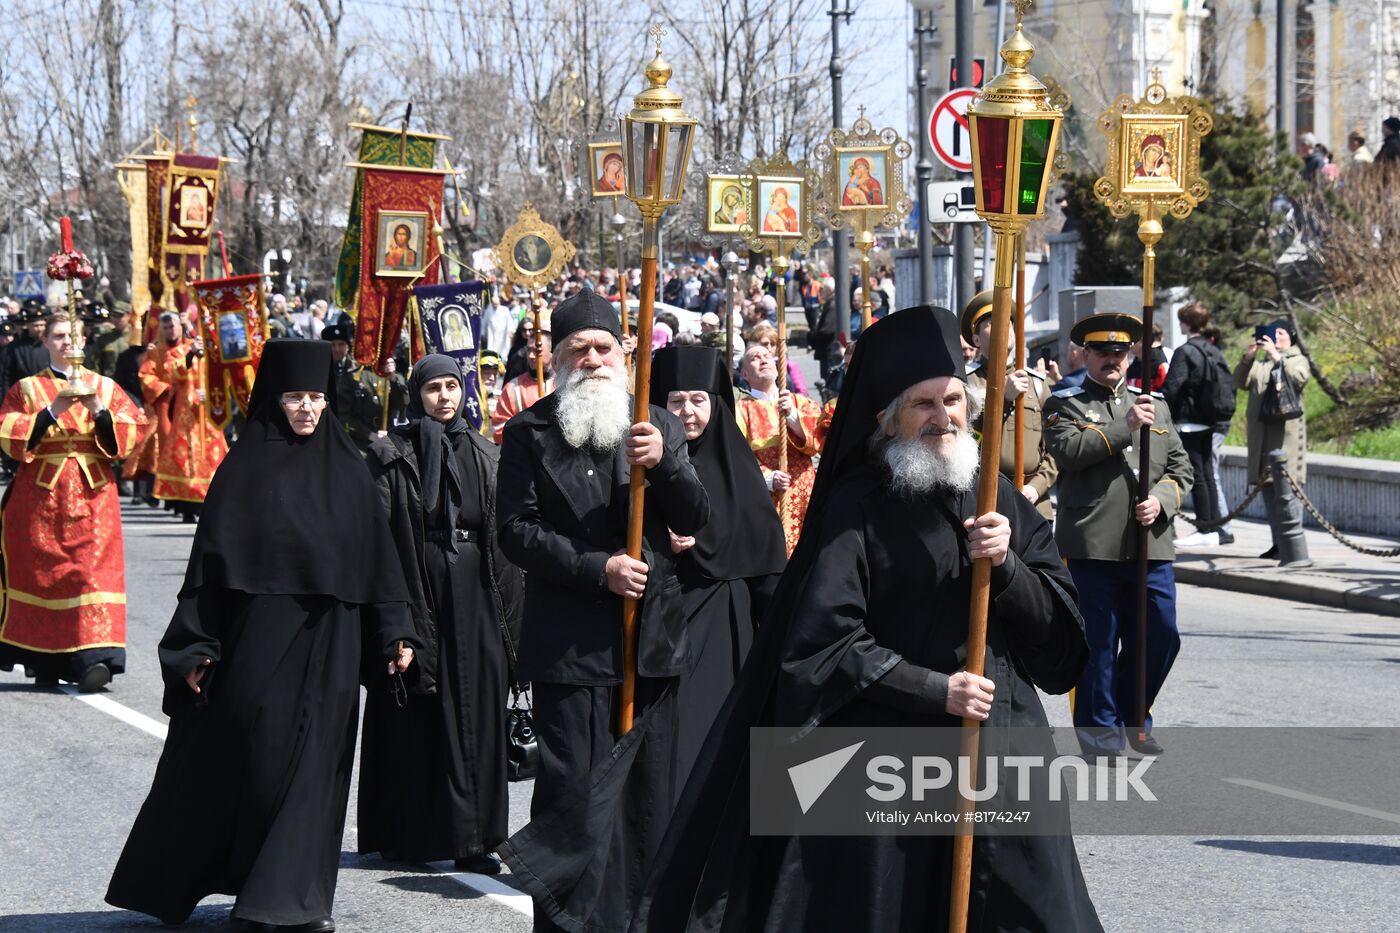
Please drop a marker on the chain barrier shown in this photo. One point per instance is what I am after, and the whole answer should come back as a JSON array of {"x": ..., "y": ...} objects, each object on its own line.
[
  {"x": 1332, "y": 529},
  {"x": 1216, "y": 525}
]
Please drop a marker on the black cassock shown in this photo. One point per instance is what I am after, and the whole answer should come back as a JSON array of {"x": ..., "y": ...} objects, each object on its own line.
[
  {"x": 433, "y": 772},
  {"x": 886, "y": 581},
  {"x": 284, "y": 596},
  {"x": 250, "y": 793}
]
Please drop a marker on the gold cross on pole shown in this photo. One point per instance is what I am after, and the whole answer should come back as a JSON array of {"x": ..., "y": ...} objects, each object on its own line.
[
  {"x": 657, "y": 32},
  {"x": 1021, "y": 7},
  {"x": 861, "y": 110},
  {"x": 191, "y": 102}
]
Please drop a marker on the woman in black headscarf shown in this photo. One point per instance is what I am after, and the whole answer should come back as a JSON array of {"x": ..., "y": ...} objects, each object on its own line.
[
  {"x": 433, "y": 763},
  {"x": 261, "y": 664},
  {"x": 727, "y": 571}
]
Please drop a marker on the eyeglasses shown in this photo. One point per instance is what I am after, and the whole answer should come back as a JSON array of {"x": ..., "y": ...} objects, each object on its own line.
[{"x": 310, "y": 400}]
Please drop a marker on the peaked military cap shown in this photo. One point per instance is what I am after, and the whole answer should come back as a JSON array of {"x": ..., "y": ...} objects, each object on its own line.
[
  {"x": 1110, "y": 330},
  {"x": 979, "y": 307}
]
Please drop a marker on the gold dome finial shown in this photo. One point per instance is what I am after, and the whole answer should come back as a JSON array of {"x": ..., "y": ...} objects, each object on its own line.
[{"x": 657, "y": 96}]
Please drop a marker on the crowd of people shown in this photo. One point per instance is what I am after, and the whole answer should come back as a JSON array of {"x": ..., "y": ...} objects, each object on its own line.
[{"x": 472, "y": 561}]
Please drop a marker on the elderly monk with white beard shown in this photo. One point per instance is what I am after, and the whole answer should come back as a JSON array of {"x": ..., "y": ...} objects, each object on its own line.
[
  {"x": 869, "y": 628},
  {"x": 561, "y": 510}
]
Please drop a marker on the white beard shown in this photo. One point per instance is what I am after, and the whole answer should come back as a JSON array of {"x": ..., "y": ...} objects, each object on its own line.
[
  {"x": 917, "y": 470},
  {"x": 594, "y": 408}
]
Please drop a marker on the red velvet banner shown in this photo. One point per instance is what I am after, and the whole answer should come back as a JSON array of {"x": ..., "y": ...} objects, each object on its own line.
[
  {"x": 233, "y": 324},
  {"x": 189, "y": 208},
  {"x": 397, "y": 251}
]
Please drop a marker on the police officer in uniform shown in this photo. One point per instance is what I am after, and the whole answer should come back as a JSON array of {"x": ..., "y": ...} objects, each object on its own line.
[
  {"x": 1040, "y": 469},
  {"x": 26, "y": 355},
  {"x": 1093, "y": 431},
  {"x": 107, "y": 338},
  {"x": 358, "y": 402}
]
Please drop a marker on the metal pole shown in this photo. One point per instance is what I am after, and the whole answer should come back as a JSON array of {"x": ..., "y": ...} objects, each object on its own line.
[
  {"x": 963, "y": 237},
  {"x": 1150, "y": 233},
  {"x": 840, "y": 257},
  {"x": 1281, "y": 84},
  {"x": 923, "y": 169}
]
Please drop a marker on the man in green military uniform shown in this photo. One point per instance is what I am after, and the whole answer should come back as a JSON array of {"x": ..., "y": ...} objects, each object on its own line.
[
  {"x": 1040, "y": 469},
  {"x": 1093, "y": 430},
  {"x": 107, "y": 327},
  {"x": 358, "y": 402}
]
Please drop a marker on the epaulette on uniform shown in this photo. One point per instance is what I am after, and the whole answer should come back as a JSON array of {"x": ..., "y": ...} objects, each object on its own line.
[
  {"x": 973, "y": 367},
  {"x": 1133, "y": 389},
  {"x": 1032, "y": 371},
  {"x": 1068, "y": 392}
]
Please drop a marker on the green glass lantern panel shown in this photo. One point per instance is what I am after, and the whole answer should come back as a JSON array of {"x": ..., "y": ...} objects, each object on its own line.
[
  {"x": 1035, "y": 152},
  {"x": 993, "y": 138}
]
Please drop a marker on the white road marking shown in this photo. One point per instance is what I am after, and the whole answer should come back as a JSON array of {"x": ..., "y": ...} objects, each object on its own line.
[
  {"x": 488, "y": 886},
  {"x": 116, "y": 710},
  {"x": 485, "y": 885},
  {"x": 1313, "y": 798}
]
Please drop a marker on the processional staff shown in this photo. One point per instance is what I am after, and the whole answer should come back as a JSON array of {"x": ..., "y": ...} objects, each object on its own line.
[
  {"x": 1014, "y": 129},
  {"x": 656, "y": 139}
]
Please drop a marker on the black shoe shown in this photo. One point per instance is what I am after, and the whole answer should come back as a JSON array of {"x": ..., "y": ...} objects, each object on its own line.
[
  {"x": 1270, "y": 554},
  {"x": 1226, "y": 537},
  {"x": 482, "y": 864},
  {"x": 324, "y": 925},
  {"x": 45, "y": 681},
  {"x": 95, "y": 678},
  {"x": 1148, "y": 746}
]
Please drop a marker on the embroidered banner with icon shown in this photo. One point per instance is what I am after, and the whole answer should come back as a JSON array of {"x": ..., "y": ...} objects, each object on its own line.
[
  {"x": 233, "y": 323},
  {"x": 378, "y": 146},
  {"x": 399, "y": 210},
  {"x": 192, "y": 197},
  {"x": 451, "y": 320}
]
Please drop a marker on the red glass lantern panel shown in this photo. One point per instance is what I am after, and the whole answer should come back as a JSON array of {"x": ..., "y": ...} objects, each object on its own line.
[{"x": 993, "y": 138}]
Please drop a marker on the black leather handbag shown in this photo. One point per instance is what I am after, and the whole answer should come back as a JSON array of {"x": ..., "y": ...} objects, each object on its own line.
[
  {"x": 1281, "y": 401},
  {"x": 522, "y": 749}
]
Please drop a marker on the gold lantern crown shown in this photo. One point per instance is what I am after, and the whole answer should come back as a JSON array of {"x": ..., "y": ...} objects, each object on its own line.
[
  {"x": 658, "y": 100},
  {"x": 1015, "y": 92}
]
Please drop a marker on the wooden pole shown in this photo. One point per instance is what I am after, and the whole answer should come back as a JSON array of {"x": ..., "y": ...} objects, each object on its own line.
[
  {"x": 1020, "y": 322},
  {"x": 780, "y": 266},
  {"x": 636, "y": 491},
  {"x": 539, "y": 341},
  {"x": 384, "y": 404},
  {"x": 987, "y": 479},
  {"x": 1149, "y": 232}
]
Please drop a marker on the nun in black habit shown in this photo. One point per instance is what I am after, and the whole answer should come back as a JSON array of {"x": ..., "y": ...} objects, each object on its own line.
[
  {"x": 868, "y": 623},
  {"x": 728, "y": 569},
  {"x": 284, "y": 590},
  {"x": 433, "y": 762}
]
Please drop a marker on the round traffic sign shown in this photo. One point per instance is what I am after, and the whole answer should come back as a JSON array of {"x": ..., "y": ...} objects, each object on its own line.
[{"x": 947, "y": 129}]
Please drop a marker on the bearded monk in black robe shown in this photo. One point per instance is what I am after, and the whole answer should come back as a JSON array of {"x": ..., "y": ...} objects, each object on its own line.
[
  {"x": 262, "y": 665},
  {"x": 869, "y": 628}
]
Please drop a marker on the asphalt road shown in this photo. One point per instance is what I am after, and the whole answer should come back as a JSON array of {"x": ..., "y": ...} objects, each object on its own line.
[{"x": 72, "y": 777}]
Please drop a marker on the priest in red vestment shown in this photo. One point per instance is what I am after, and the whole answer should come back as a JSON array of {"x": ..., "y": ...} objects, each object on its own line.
[
  {"x": 760, "y": 414},
  {"x": 60, "y": 523},
  {"x": 189, "y": 448}
]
